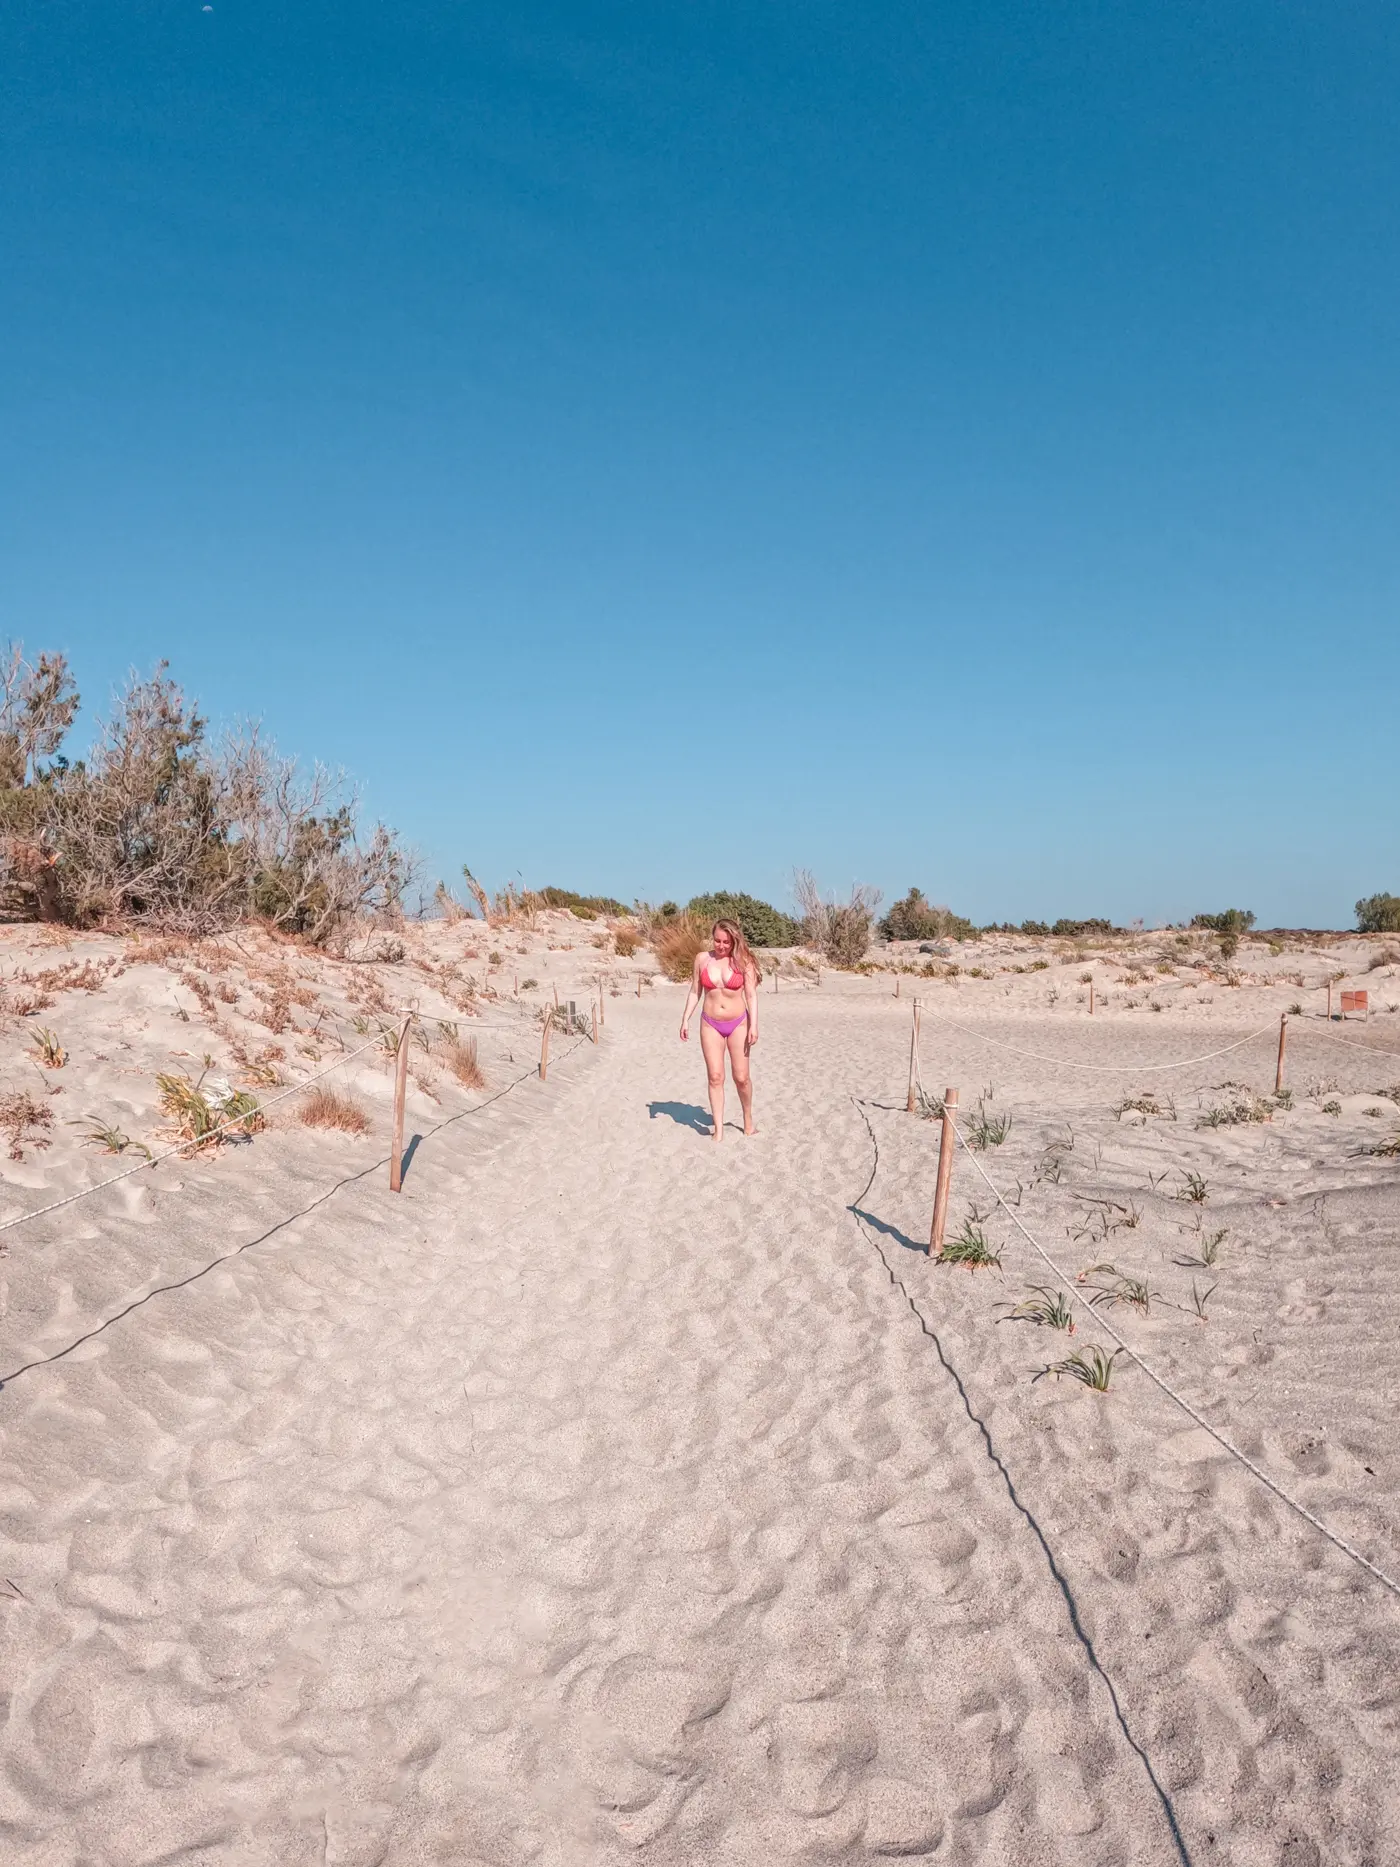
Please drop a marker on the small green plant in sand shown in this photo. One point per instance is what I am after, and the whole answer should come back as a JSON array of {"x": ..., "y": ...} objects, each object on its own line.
[
  {"x": 1131, "y": 1291},
  {"x": 1195, "y": 1190},
  {"x": 970, "y": 1248},
  {"x": 1103, "y": 1218},
  {"x": 1052, "y": 1161},
  {"x": 1200, "y": 1298},
  {"x": 1385, "y": 1150},
  {"x": 1283, "y": 1099},
  {"x": 1331, "y": 1108},
  {"x": 1047, "y": 1308},
  {"x": 107, "y": 1136},
  {"x": 48, "y": 1049},
  {"x": 1242, "y": 1107},
  {"x": 1089, "y": 1366},
  {"x": 1208, "y": 1246},
  {"x": 529, "y": 985},
  {"x": 985, "y": 1129},
  {"x": 202, "y": 1119}
]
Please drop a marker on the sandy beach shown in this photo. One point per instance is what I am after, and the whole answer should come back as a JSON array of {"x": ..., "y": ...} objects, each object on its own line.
[{"x": 608, "y": 1494}]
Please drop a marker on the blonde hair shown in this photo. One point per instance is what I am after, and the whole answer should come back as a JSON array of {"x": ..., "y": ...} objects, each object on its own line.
[{"x": 740, "y": 955}]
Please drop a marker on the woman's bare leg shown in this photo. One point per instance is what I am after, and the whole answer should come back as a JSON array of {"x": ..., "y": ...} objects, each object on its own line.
[
  {"x": 739, "y": 1065},
  {"x": 713, "y": 1046}
]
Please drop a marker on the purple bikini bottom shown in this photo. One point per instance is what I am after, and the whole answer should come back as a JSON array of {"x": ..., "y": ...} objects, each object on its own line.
[{"x": 723, "y": 1025}]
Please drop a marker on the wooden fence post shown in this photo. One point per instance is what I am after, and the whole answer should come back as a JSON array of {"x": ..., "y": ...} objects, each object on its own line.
[
  {"x": 945, "y": 1172},
  {"x": 913, "y": 1059},
  {"x": 544, "y": 1049},
  {"x": 1091, "y": 998},
  {"x": 1282, "y": 1042},
  {"x": 594, "y": 1010},
  {"x": 1329, "y": 1001},
  {"x": 896, "y": 985},
  {"x": 400, "y": 1091},
  {"x": 602, "y": 1008}
]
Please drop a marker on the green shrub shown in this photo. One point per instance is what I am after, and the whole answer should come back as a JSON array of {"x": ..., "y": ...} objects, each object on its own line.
[
  {"x": 1076, "y": 929},
  {"x": 1229, "y": 925},
  {"x": 567, "y": 898},
  {"x": 916, "y": 918},
  {"x": 762, "y": 924},
  {"x": 1232, "y": 921},
  {"x": 1378, "y": 914}
]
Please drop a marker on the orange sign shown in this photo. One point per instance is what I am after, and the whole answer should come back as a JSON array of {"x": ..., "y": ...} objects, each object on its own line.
[{"x": 1354, "y": 1001}]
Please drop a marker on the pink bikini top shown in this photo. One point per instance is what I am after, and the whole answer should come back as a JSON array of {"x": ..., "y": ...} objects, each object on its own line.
[{"x": 734, "y": 983}]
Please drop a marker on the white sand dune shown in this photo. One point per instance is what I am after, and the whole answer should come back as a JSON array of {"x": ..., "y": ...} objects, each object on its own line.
[{"x": 610, "y": 1495}]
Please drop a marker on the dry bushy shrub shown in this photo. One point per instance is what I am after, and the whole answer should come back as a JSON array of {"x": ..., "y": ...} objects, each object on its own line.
[
  {"x": 156, "y": 826},
  {"x": 838, "y": 930},
  {"x": 208, "y": 1118},
  {"x": 325, "y": 1108},
  {"x": 464, "y": 1064},
  {"x": 626, "y": 941},
  {"x": 917, "y": 918},
  {"x": 676, "y": 942},
  {"x": 25, "y": 1121}
]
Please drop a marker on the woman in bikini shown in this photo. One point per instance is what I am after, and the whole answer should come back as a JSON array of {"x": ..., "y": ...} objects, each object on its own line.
[{"x": 726, "y": 978}]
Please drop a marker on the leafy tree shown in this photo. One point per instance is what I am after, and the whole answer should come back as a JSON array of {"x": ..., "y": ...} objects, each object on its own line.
[{"x": 1378, "y": 914}]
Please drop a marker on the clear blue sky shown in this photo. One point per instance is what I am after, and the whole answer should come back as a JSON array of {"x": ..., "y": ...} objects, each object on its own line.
[{"x": 656, "y": 446}]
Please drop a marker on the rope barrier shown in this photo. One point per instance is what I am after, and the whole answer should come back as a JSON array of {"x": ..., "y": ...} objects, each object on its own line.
[
  {"x": 238, "y": 1250},
  {"x": 1076, "y": 1296},
  {"x": 1350, "y": 1042},
  {"x": 1105, "y": 1069},
  {"x": 183, "y": 1147},
  {"x": 234, "y": 1121}
]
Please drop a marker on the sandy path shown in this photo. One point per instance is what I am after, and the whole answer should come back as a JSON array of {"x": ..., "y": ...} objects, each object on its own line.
[{"x": 604, "y": 1495}]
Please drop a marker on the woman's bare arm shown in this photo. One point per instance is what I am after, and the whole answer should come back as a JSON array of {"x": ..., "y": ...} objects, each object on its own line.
[
  {"x": 751, "y": 1001},
  {"x": 692, "y": 999}
]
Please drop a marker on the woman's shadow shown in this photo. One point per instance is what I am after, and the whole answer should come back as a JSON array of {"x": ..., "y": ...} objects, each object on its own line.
[{"x": 684, "y": 1114}]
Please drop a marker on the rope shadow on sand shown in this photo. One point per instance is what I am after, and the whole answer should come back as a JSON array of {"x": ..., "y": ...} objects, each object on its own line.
[
  {"x": 1023, "y": 1510},
  {"x": 203, "y": 1270}
]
